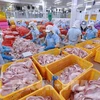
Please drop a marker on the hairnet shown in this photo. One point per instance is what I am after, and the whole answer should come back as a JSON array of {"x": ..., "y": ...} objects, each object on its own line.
[
  {"x": 32, "y": 24},
  {"x": 49, "y": 28},
  {"x": 91, "y": 24}
]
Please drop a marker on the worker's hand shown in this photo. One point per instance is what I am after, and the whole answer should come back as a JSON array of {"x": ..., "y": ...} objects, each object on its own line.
[
  {"x": 34, "y": 40},
  {"x": 43, "y": 44},
  {"x": 23, "y": 36},
  {"x": 7, "y": 57},
  {"x": 42, "y": 49},
  {"x": 49, "y": 47},
  {"x": 5, "y": 50}
]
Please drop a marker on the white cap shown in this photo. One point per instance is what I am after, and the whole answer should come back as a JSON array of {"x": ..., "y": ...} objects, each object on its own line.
[
  {"x": 49, "y": 28},
  {"x": 91, "y": 24},
  {"x": 32, "y": 24}
]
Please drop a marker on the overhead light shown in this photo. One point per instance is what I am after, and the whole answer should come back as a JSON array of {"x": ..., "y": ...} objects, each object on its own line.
[
  {"x": 87, "y": 1},
  {"x": 88, "y": 6},
  {"x": 57, "y": 1},
  {"x": 69, "y": 4},
  {"x": 97, "y": 3},
  {"x": 80, "y": 5}
]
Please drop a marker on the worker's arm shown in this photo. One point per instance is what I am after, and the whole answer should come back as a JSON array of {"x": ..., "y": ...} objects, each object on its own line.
[
  {"x": 44, "y": 44},
  {"x": 26, "y": 35},
  {"x": 66, "y": 38},
  {"x": 57, "y": 45},
  {"x": 79, "y": 38},
  {"x": 37, "y": 34}
]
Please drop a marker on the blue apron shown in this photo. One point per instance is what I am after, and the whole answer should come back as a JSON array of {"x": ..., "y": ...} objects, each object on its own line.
[{"x": 50, "y": 42}]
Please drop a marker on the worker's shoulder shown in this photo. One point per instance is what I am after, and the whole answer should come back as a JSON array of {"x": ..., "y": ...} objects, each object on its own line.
[{"x": 74, "y": 29}]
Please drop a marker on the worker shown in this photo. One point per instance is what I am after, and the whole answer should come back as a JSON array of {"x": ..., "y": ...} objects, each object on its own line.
[
  {"x": 91, "y": 32},
  {"x": 52, "y": 40},
  {"x": 83, "y": 26},
  {"x": 35, "y": 33},
  {"x": 18, "y": 23},
  {"x": 3, "y": 56},
  {"x": 74, "y": 34},
  {"x": 83, "y": 29},
  {"x": 56, "y": 29},
  {"x": 23, "y": 24}
]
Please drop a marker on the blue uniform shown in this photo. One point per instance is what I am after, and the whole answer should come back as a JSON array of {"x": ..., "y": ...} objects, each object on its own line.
[
  {"x": 18, "y": 24},
  {"x": 63, "y": 25},
  {"x": 91, "y": 33},
  {"x": 1, "y": 59},
  {"x": 73, "y": 35},
  {"x": 56, "y": 29},
  {"x": 52, "y": 40},
  {"x": 2, "y": 55},
  {"x": 35, "y": 32},
  {"x": 23, "y": 24}
]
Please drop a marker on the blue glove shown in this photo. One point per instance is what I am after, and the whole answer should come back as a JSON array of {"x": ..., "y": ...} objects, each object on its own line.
[
  {"x": 5, "y": 49},
  {"x": 34, "y": 40},
  {"x": 93, "y": 37},
  {"x": 49, "y": 47},
  {"x": 23, "y": 36},
  {"x": 84, "y": 37},
  {"x": 43, "y": 44},
  {"x": 7, "y": 57}
]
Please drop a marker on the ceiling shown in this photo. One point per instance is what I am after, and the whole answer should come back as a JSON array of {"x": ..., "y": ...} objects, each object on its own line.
[{"x": 48, "y": 3}]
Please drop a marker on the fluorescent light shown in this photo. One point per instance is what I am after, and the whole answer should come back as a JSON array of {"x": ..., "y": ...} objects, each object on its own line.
[
  {"x": 97, "y": 3},
  {"x": 86, "y": 1},
  {"x": 80, "y": 5},
  {"x": 57, "y": 1},
  {"x": 88, "y": 6},
  {"x": 69, "y": 3}
]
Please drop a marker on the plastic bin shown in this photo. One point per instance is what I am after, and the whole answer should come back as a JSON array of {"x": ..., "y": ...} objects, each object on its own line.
[
  {"x": 95, "y": 39},
  {"x": 24, "y": 91},
  {"x": 57, "y": 67},
  {"x": 90, "y": 43},
  {"x": 41, "y": 68},
  {"x": 45, "y": 91},
  {"x": 88, "y": 57},
  {"x": 91, "y": 74},
  {"x": 97, "y": 56}
]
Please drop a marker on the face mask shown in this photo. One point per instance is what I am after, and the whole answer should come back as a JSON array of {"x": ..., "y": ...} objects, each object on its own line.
[
  {"x": 90, "y": 28},
  {"x": 50, "y": 34},
  {"x": 31, "y": 28}
]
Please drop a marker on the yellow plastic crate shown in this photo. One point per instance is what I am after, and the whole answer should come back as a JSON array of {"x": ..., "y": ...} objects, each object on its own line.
[
  {"x": 97, "y": 56},
  {"x": 24, "y": 91},
  {"x": 95, "y": 39},
  {"x": 91, "y": 74},
  {"x": 88, "y": 51},
  {"x": 41, "y": 68},
  {"x": 57, "y": 67},
  {"x": 45, "y": 91},
  {"x": 90, "y": 43}
]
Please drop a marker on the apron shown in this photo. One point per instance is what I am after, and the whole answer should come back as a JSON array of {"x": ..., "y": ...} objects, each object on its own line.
[
  {"x": 50, "y": 42},
  {"x": 36, "y": 40},
  {"x": 72, "y": 43}
]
